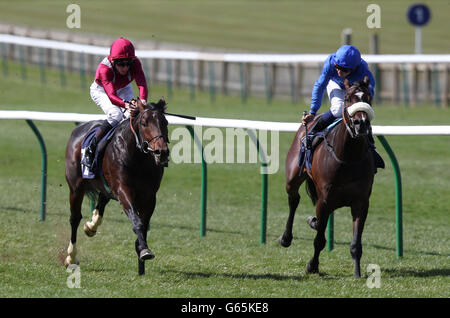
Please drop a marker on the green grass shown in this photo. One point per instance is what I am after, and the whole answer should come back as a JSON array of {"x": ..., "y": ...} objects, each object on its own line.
[
  {"x": 229, "y": 261},
  {"x": 261, "y": 26}
]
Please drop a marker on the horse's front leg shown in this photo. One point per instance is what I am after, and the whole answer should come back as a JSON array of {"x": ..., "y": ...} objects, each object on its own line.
[
  {"x": 138, "y": 226},
  {"x": 145, "y": 254},
  {"x": 322, "y": 214},
  {"x": 359, "y": 214}
]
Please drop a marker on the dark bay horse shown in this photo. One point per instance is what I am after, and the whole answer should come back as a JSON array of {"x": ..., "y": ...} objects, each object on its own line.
[
  {"x": 342, "y": 174},
  {"x": 133, "y": 166}
]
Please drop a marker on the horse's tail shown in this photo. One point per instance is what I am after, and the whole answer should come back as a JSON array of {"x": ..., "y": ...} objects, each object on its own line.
[{"x": 311, "y": 190}]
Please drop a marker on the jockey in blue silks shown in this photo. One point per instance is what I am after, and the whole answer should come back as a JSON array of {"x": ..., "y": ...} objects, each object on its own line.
[{"x": 346, "y": 63}]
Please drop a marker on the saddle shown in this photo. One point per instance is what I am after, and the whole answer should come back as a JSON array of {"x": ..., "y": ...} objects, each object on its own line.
[
  {"x": 91, "y": 173},
  {"x": 306, "y": 155}
]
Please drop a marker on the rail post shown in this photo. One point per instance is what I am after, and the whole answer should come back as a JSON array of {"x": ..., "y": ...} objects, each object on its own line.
[
  {"x": 264, "y": 185},
  {"x": 204, "y": 183},
  {"x": 43, "y": 168},
  {"x": 398, "y": 196}
]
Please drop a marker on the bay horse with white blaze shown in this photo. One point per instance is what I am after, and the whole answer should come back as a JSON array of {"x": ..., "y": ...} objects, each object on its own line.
[
  {"x": 342, "y": 174},
  {"x": 133, "y": 167}
]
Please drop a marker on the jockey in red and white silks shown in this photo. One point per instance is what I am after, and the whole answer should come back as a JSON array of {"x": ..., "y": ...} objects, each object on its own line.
[
  {"x": 112, "y": 90},
  {"x": 112, "y": 84}
]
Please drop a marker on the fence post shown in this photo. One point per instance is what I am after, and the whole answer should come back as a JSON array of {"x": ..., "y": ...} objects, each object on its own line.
[
  {"x": 82, "y": 72},
  {"x": 169, "y": 77},
  {"x": 4, "y": 60},
  {"x": 292, "y": 81},
  {"x": 61, "y": 69},
  {"x": 436, "y": 84},
  {"x": 242, "y": 68},
  {"x": 42, "y": 65},
  {"x": 43, "y": 168},
  {"x": 398, "y": 196},
  {"x": 268, "y": 83},
  {"x": 264, "y": 185},
  {"x": 212, "y": 90},
  {"x": 191, "y": 80},
  {"x": 204, "y": 185},
  {"x": 23, "y": 68}
]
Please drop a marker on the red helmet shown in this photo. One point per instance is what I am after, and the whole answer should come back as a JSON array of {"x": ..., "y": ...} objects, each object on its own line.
[{"x": 122, "y": 49}]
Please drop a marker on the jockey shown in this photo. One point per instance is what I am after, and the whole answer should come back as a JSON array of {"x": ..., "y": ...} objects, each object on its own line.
[
  {"x": 112, "y": 90},
  {"x": 346, "y": 63}
]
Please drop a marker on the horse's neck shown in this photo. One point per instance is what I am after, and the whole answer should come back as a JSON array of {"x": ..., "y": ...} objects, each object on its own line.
[
  {"x": 125, "y": 139},
  {"x": 346, "y": 147}
]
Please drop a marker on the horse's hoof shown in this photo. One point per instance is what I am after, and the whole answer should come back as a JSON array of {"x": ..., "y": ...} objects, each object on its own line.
[
  {"x": 284, "y": 242},
  {"x": 88, "y": 231},
  {"x": 312, "y": 221},
  {"x": 68, "y": 261},
  {"x": 312, "y": 267},
  {"x": 146, "y": 254}
]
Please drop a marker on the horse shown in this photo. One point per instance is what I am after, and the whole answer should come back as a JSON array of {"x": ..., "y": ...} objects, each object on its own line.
[
  {"x": 133, "y": 167},
  {"x": 341, "y": 174}
]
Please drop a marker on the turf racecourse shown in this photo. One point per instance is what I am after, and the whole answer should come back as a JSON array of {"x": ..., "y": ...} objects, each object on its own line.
[{"x": 229, "y": 261}]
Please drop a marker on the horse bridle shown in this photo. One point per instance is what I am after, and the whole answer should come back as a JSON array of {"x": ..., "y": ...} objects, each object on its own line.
[
  {"x": 350, "y": 129},
  {"x": 144, "y": 146}
]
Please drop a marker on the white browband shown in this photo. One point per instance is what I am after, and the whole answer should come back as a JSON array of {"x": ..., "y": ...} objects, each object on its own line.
[{"x": 361, "y": 106}]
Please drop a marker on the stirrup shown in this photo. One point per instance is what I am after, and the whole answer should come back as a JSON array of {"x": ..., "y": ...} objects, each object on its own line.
[{"x": 88, "y": 159}]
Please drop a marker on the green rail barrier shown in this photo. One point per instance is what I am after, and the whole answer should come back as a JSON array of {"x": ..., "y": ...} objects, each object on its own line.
[
  {"x": 398, "y": 196},
  {"x": 43, "y": 168},
  {"x": 264, "y": 186},
  {"x": 204, "y": 181}
]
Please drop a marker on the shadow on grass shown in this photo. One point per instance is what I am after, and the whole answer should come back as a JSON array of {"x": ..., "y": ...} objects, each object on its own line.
[
  {"x": 236, "y": 276},
  {"x": 408, "y": 272}
]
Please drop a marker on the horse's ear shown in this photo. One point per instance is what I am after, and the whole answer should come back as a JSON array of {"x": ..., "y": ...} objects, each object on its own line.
[
  {"x": 140, "y": 105},
  {"x": 366, "y": 80},
  {"x": 346, "y": 84}
]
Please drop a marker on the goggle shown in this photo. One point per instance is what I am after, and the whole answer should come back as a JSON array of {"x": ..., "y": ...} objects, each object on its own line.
[
  {"x": 126, "y": 62},
  {"x": 342, "y": 69}
]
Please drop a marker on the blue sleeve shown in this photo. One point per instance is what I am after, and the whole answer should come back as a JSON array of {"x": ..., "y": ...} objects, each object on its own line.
[
  {"x": 371, "y": 83},
  {"x": 319, "y": 87},
  {"x": 371, "y": 79}
]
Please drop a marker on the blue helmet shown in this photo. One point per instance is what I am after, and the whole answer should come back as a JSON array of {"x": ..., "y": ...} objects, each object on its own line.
[{"x": 347, "y": 56}]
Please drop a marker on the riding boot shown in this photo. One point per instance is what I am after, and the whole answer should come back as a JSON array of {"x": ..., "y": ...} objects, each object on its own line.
[
  {"x": 377, "y": 159},
  {"x": 323, "y": 122},
  {"x": 89, "y": 155}
]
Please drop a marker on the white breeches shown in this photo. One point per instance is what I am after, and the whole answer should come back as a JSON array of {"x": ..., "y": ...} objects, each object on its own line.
[
  {"x": 114, "y": 114},
  {"x": 337, "y": 96}
]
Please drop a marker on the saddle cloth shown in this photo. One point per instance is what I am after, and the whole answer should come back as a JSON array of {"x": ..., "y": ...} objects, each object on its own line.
[
  {"x": 91, "y": 173},
  {"x": 305, "y": 156}
]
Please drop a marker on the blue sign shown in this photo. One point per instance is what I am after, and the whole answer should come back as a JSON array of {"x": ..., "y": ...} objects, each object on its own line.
[{"x": 419, "y": 14}]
